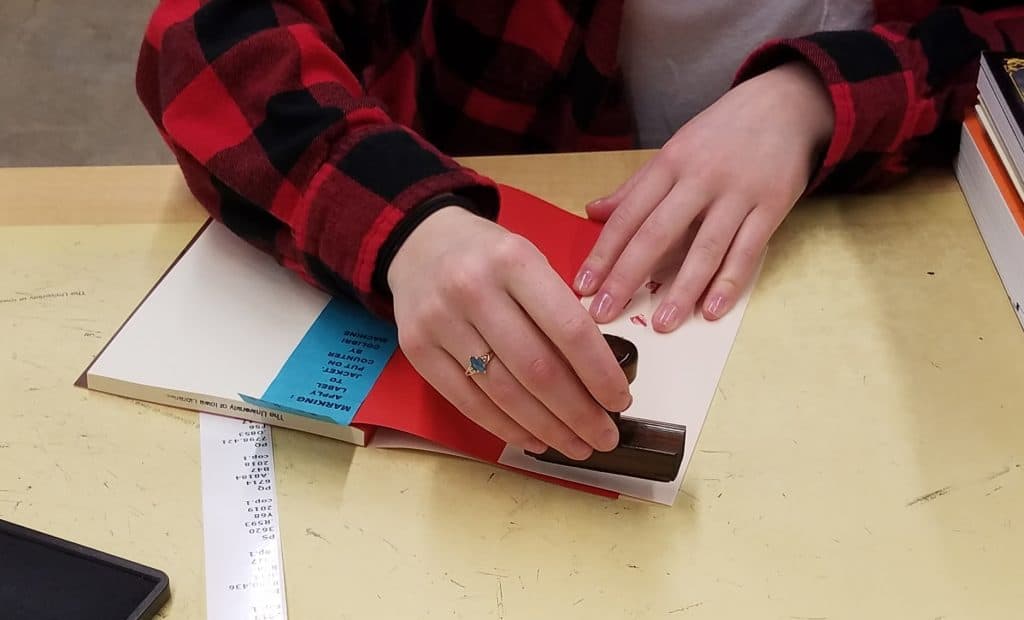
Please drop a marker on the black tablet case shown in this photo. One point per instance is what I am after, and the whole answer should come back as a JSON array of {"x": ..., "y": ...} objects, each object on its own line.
[{"x": 43, "y": 577}]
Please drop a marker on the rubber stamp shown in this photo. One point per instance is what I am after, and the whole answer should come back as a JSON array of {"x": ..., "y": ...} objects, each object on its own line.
[{"x": 647, "y": 449}]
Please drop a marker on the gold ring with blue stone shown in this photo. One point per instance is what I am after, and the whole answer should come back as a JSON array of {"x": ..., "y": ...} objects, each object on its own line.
[{"x": 478, "y": 364}]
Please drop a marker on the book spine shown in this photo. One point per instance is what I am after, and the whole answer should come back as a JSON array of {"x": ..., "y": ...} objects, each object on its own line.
[{"x": 226, "y": 407}]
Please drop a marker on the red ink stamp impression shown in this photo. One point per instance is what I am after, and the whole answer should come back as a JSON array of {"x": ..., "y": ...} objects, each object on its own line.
[{"x": 638, "y": 319}]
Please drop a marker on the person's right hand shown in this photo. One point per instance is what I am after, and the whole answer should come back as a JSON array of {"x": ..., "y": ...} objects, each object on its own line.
[{"x": 463, "y": 286}]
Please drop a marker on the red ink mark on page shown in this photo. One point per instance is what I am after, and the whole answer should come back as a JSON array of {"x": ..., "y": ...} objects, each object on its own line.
[
  {"x": 638, "y": 319},
  {"x": 653, "y": 286}
]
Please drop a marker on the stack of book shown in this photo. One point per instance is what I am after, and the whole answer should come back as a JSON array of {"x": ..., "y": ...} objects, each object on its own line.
[{"x": 990, "y": 167}]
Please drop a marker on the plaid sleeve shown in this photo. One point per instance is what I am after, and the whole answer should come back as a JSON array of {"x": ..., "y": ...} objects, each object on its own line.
[
  {"x": 899, "y": 90},
  {"x": 261, "y": 104}
]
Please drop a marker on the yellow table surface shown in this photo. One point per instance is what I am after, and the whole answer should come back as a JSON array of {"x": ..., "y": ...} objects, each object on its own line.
[{"x": 863, "y": 458}]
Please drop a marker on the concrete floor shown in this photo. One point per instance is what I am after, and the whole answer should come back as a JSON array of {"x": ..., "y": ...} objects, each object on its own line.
[{"x": 67, "y": 93}]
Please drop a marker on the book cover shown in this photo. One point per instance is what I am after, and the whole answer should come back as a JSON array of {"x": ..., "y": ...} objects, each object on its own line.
[
  {"x": 1001, "y": 92},
  {"x": 1007, "y": 70}
]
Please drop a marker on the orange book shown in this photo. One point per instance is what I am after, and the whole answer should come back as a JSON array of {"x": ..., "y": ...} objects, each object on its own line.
[
  {"x": 997, "y": 162},
  {"x": 992, "y": 187}
]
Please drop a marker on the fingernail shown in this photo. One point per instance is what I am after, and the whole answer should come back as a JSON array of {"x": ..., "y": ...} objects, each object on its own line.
[
  {"x": 596, "y": 203},
  {"x": 609, "y": 439},
  {"x": 629, "y": 403},
  {"x": 603, "y": 309},
  {"x": 715, "y": 305},
  {"x": 666, "y": 317},
  {"x": 536, "y": 446},
  {"x": 578, "y": 449},
  {"x": 584, "y": 281}
]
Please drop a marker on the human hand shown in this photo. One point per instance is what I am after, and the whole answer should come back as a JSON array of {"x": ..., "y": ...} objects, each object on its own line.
[
  {"x": 462, "y": 286},
  {"x": 728, "y": 178}
]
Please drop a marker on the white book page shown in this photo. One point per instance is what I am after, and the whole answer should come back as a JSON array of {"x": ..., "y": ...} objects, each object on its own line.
[
  {"x": 222, "y": 322},
  {"x": 677, "y": 376}
]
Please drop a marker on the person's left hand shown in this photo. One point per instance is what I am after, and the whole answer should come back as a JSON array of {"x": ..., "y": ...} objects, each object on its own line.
[{"x": 730, "y": 175}]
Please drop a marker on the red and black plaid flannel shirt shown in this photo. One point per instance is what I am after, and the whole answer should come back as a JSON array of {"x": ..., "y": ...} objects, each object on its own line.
[{"x": 322, "y": 130}]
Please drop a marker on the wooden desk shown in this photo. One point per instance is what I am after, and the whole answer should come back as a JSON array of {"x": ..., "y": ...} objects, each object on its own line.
[{"x": 864, "y": 457}]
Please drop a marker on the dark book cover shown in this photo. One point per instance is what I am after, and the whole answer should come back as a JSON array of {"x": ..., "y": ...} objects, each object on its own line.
[{"x": 1007, "y": 68}]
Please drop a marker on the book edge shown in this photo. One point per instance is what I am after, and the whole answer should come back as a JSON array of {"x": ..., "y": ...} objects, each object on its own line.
[
  {"x": 983, "y": 217},
  {"x": 228, "y": 408},
  {"x": 1009, "y": 95},
  {"x": 1014, "y": 203},
  {"x": 83, "y": 379}
]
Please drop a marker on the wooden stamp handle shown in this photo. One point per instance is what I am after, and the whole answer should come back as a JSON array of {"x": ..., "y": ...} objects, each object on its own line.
[{"x": 627, "y": 356}]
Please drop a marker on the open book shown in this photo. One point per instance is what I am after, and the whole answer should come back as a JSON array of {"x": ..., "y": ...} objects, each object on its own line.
[{"x": 227, "y": 330}]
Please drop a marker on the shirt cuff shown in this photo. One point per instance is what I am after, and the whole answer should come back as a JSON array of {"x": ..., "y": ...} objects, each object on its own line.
[
  {"x": 404, "y": 228},
  {"x": 779, "y": 52},
  {"x": 366, "y": 200}
]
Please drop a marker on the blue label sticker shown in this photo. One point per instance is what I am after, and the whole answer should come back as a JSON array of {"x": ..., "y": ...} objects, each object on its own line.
[
  {"x": 257, "y": 402},
  {"x": 333, "y": 368}
]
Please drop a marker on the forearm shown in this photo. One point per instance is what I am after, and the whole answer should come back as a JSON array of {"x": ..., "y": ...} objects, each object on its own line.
[{"x": 278, "y": 140}]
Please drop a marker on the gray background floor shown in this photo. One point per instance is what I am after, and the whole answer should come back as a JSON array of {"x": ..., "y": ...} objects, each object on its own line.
[{"x": 67, "y": 84}]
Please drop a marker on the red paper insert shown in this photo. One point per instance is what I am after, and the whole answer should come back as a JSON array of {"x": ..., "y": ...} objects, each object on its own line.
[{"x": 403, "y": 401}]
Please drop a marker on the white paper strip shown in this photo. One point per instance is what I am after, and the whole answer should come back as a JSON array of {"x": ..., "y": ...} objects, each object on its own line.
[{"x": 244, "y": 570}]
